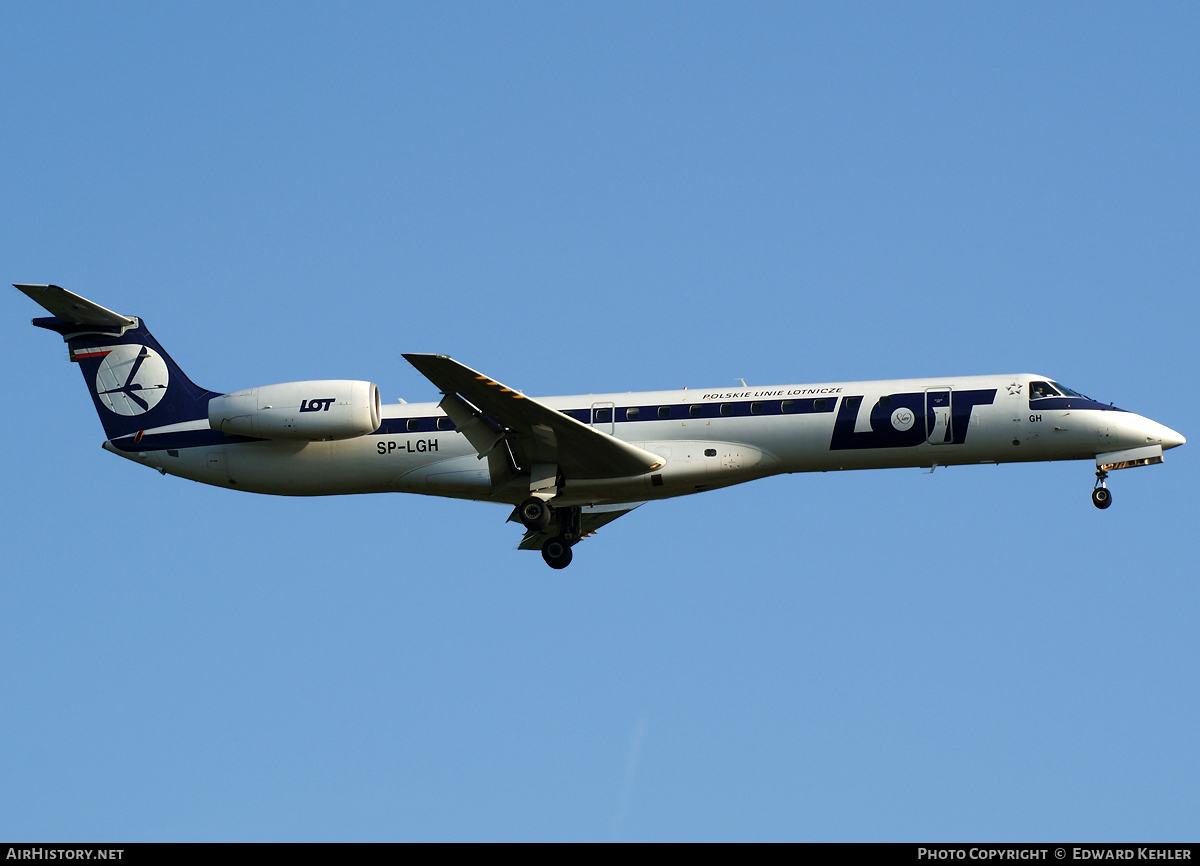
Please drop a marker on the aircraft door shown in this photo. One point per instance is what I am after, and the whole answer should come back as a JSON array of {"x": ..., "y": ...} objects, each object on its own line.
[
  {"x": 602, "y": 417},
  {"x": 938, "y": 421}
]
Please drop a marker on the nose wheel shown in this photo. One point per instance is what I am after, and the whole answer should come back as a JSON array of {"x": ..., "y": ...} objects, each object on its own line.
[{"x": 1101, "y": 497}]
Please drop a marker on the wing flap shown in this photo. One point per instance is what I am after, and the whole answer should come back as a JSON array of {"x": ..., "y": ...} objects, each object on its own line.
[
  {"x": 591, "y": 518},
  {"x": 541, "y": 434}
]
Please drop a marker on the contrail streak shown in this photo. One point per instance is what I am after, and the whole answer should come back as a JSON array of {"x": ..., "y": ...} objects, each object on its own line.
[{"x": 635, "y": 752}]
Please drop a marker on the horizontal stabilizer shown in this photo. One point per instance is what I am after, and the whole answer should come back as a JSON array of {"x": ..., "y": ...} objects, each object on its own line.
[{"x": 71, "y": 308}]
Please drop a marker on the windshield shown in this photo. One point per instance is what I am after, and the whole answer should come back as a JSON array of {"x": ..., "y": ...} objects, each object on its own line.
[
  {"x": 1067, "y": 392},
  {"x": 1041, "y": 390}
]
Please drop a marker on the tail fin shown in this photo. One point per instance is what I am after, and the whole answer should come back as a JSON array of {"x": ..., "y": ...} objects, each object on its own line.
[{"x": 133, "y": 381}]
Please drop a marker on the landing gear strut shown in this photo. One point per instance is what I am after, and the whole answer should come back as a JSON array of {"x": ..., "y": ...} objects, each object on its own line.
[
  {"x": 1101, "y": 497},
  {"x": 557, "y": 551}
]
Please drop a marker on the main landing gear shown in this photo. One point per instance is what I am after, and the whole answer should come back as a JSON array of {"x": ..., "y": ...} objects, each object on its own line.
[
  {"x": 557, "y": 552},
  {"x": 537, "y": 515},
  {"x": 1101, "y": 497}
]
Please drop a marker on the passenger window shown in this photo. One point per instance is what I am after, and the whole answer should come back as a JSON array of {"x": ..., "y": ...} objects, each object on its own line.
[
  {"x": 819, "y": 404},
  {"x": 632, "y": 413},
  {"x": 1041, "y": 390},
  {"x": 695, "y": 410},
  {"x": 726, "y": 408},
  {"x": 603, "y": 416},
  {"x": 413, "y": 425},
  {"x": 710, "y": 452},
  {"x": 445, "y": 424},
  {"x": 756, "y": 408},
  {"x": 787, "y": 407},
  {"x": 664, "y": 411}
]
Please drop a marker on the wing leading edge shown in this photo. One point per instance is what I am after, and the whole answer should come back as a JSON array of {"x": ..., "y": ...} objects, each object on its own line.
[{"x": 536, "y": 433}]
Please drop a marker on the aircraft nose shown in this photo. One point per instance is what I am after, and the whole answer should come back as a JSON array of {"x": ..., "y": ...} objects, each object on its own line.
[
  {"x": 1171, "y": 439},
  {"x": 1139, "y": 430}
]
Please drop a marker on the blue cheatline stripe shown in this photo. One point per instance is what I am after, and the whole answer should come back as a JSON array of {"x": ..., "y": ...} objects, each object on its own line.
[
  {"x": 673, "y": 412},
  {"x": 430, "y": 423},
  {"x": 180, "y": 439},
  {"x": 1069, "y": 403},
  {"x": 716, "y": 409}
]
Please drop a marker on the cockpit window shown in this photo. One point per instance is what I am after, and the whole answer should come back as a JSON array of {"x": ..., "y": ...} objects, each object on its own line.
[
  {"x": 1067, "y": 392},
  {"x": 1040, "y": 390}
]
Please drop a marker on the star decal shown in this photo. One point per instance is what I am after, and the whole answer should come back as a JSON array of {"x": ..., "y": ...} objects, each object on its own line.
[{"x": 1014, "y": 388}]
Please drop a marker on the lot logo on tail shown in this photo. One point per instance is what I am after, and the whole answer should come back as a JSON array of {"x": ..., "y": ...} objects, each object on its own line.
[{"x": 131, "y": 378}]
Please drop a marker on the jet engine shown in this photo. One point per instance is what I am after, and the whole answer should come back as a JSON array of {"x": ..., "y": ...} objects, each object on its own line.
[{"x": 310, "y": 411}]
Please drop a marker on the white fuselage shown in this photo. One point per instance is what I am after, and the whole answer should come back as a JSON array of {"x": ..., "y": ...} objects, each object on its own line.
[{"x": 764, "y": 431}]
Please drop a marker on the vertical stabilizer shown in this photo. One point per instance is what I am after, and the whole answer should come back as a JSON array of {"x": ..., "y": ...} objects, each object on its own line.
[{"x": 134, "y": 383}]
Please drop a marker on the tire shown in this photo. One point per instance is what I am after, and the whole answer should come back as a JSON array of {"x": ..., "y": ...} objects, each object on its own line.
[
  {"x": 1101, "y": 498},
  {"x": 535, "y": 514},
  {"x": 557, "y": 552}
]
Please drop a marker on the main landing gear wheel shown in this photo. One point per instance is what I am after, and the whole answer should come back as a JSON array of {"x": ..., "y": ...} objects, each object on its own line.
[
  {"x": 535, "y": 514},
  {"x": 557, "y": 552}
]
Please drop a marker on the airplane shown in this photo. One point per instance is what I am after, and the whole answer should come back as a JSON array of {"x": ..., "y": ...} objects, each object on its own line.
[{"x": 566, "y": 466}]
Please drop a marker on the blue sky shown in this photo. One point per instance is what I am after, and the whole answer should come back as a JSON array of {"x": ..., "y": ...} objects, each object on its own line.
[{"x": 601, "y": 197}]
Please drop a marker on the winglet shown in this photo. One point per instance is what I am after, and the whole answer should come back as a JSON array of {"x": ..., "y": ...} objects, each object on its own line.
[{"x": 71, "y": 308}]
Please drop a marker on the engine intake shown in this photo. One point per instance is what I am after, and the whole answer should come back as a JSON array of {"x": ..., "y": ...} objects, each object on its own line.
[{"x": 311, "y": 411}]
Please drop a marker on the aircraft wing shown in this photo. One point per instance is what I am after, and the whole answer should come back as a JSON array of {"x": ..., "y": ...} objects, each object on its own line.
[
  {"x": 536, "y": 433},
  {"x": 591, "y": 519},
  {"x": 71, "y": 308}
]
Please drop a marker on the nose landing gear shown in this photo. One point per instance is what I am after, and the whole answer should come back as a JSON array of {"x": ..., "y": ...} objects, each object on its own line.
[{"x": 1101, "y": 497}]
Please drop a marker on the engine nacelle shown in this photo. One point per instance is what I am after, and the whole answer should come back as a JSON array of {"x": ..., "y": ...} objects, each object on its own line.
[{"x": 310, "y": 411}]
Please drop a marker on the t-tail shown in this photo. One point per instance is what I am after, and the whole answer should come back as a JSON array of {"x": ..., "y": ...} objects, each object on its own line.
[{"x": 133, "y": 382}]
